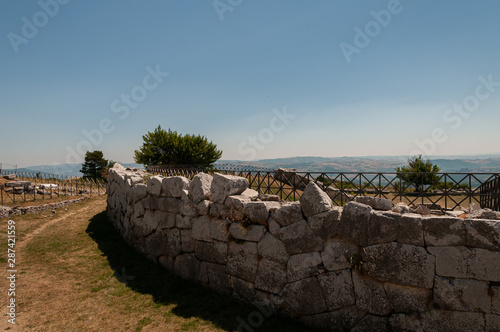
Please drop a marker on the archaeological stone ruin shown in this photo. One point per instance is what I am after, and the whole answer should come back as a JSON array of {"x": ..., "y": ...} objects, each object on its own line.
[{"x": 360, "y": 267}]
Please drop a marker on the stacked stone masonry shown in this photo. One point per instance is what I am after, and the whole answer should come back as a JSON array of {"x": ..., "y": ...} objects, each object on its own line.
[{"x": 352, "y": 268}]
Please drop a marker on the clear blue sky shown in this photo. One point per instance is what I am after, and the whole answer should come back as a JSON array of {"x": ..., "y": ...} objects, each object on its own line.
[{"x": 355, "y": 77}]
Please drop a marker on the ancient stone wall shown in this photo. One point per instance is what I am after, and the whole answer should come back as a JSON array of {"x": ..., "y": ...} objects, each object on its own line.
[{"x": 358, "y": 268}]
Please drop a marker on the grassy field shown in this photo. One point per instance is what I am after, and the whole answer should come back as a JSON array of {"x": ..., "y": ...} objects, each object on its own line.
[{"x": 76, "y": 274}]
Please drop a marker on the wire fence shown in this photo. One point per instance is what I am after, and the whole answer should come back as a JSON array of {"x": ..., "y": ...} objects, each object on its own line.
[
  {"x": 30, "y": 186},
  {"x": 439, "y": 191}
]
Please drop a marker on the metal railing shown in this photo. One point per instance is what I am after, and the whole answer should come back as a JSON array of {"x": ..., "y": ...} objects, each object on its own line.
[
  {"x": 443, "y": 191},
  {"x": 490, "y": 194},
  {"x": 40, "y": 186}
]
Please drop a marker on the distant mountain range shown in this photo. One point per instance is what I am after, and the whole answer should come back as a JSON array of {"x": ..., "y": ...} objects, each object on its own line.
[{"x": 461, "y": 164}]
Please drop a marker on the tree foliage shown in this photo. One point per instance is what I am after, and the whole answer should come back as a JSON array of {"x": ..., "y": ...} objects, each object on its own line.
[
  {"x": 163, "y": 147},
  {"x": 419, "y": 173},
  {"x": 94, "y": 166}
]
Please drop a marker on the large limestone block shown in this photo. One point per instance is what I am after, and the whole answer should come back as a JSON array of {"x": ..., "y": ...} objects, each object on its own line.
[
  {"x": 252, "y": 233},
  {"x": 271, "y": 276},
  {"x": 302, "y": 266},
  {"x": 372, "y": 323},
  {"x": 201, "y": 229},
  {"x": 326, "y": 224},
  {"x": 156, "y": 244},
  {"x": 227, "y": 185},
  {"x": 370, "y": 295},
  {"x": 199, "y": 188},
  {"x": 405, "y": 323},
  {"x": 483, "y": 265},
  {"x": 304, "y": 297},
  {"x": 220, "y": 252},
  {"x": 492, "y": 323},
  {"x": 462, "y": 294},
  {"x": 444, "y": 231},
  {"x": 314, "y": 200},
  {"x": 288, "y": 214},
  {"x": 187, "y": 266},
  {"x": 273, "y": 249},
  {"x": 451, "y": 261},
  {"x": 219, "y": 229},
  {"x": 148, "y": 225},
  {"x": 235, "y": 205},
  {"x": 339, "y": 254},
  {"x": 204, "y": 251},
  {"x": 258, "y": 212},
  {"x": 187, "y": 241},
  {"x": 154, "y": 185},
  {"x": 410, "y": 230},
  {"x": 137, "y": 193},
  {"x": 184, "y": 222},
  {"x": 495, "y": 300},
  {"x": 354, "y": 223},
  {"x": 218, "y": 278},
  {"x": 400, "y": 264},
  {"x": 338, "y": 289},
  {"x": 243, "y": 291},
  {"x": 174, "y": 186},
  {"x": 376, "y": 203},
  {"x": 483, "y": 234},
  {"x": 383, "y": 227},
  {"x": 299, "y": 238},
  {"x": 242, "y": 260},
  {"x": 166, "y": 220},
  {"x": 174, "y": 244},
  {"x": 452, "y": 321},
  {"x": 407, "y": 299}
]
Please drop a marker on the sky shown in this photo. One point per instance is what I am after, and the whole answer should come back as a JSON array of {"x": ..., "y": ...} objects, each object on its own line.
[{"x": 261, "y": 79}]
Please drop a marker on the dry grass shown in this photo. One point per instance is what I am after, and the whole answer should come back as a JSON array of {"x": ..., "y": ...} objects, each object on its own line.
[{"x": 69, "y": 269}]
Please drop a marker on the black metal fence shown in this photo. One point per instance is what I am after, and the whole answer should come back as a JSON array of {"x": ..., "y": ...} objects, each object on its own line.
[
  {"x": 444, "y": 191},
  {"x": 27, "y": 186},
  {"x": 490, "y": 197}
]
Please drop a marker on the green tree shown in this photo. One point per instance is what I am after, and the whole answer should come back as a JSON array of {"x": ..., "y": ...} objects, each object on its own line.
[
  {"x": 419, "y": 173},
  {"x": 163, "y": 147},
  {"x": 94, "y": 166}
]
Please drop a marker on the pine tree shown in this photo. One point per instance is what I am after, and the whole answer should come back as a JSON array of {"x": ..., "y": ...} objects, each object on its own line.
[{"x": 94, "y": 166}]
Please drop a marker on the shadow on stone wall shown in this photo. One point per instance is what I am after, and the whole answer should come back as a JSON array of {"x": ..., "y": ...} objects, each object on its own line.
[{"x": 191, "y": 300}]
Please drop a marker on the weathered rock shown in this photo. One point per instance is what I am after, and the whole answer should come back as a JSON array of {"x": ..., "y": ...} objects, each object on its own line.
[
  {"x": 483, "y": 234},
  {"x": 400, "y": 264},
  {"x": 354, "y": 223},
  {"x": 274, "y": 228},
  {"x": 204, "y": 251},
  {"x": 219, "y": 229},
  {"x": 227, "y": 185},
  {"x": 250, "y": 193},
  {"x": 480, "y": 265},
  {"x": 373, "y": 324},
  {"x": 450, "y": 261},
  {"x": 269, "y": 198},
  {"x": 203, "y": 207},
  {"x": 298, "y": 238},
  {"x": 492, "y": 323},
  {"x": 338, "y": 289},
  {"x": 370, "y": 295},
  {"x": 174, "y": 186},
  {"x": 187, "y": 266},
  {"x": 401, "y": 208},
  {"x": 495, "y": 300},
  {"x": 339, "y": 254},
  {"x": 346, "y": 318},
  {"x": 405, "y": 323},
  {"x": 218, "y": 278},
  {"x": 242, "y": 260},
  {"x": 235, "y": 205},
  {"x": 201, "y": 229},
  {"x": 174, "y": 245},
  {"x": 314, "y": 200},
  {"x": 423, "y": 210},
  {"x": 271, "y": 276},
  {"x": 407, "y": 299},
  {"x": 243, "y": 290},
  {"x": 288, "y": 214},
  {"x": 9, "y": 176},
  {"x": 462, "y": 294},
  {"x": 154, "y": 185},
  {"x": 252, "y": 233},
  {"x": 220, "y": 252},
  {"x": 410, "y": 230},
  {"x": 156, "y": 244},
  {"x": 273, "y": 249},
  {"x": 383, "y": 227},
  {"x": 444, "y": 231},
  {"x": 165, "y": 220},
  {"x": 376, "y": 203},
  {"x": 166, "y": 262},
  {"x": 305, "y": 297},
  {"x": 483, "y": 214},
  {"x": 452, "y": 321},
  {"x": 326, "y": 224},
  {"x": 199, "y": 188},
  {"x": 258, "y": 212},
  {"x": 148, "y": 225},
  {"x": 184, "y": 221},
  {"x": 302, "y": 266},
  {"x": 187, "y": 242}
]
